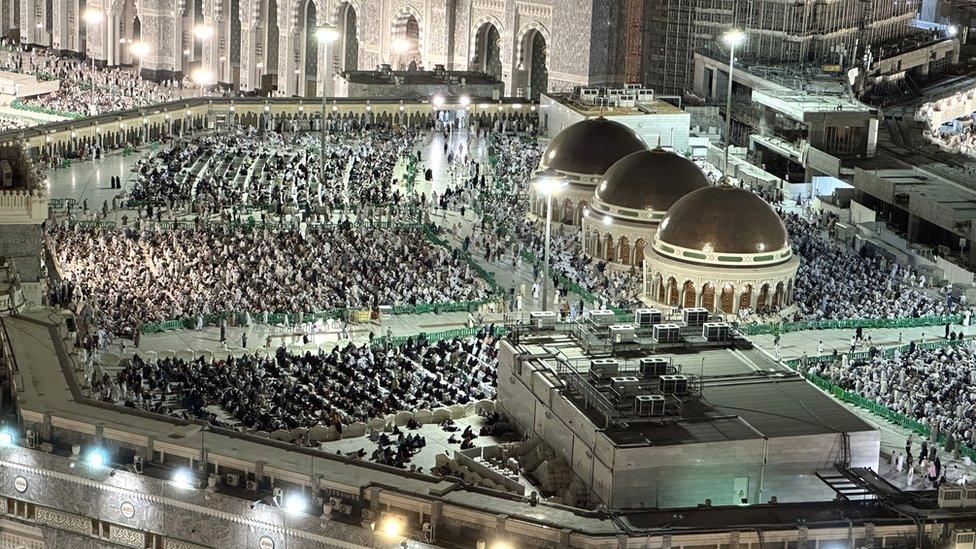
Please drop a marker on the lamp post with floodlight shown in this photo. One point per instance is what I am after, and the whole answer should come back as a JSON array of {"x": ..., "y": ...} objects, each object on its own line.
[
  {"x": 548, "y": 182},
  {"x": 327, "y": 35},
  {"x": 732, "y": 38},
  {"x": 92, "y": 17}
]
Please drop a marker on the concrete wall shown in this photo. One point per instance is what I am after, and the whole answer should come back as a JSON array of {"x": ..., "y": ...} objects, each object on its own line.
[{"x": 675, "y": 475}]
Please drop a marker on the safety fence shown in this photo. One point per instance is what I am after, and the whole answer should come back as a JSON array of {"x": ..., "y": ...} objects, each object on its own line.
[
  {"x": 852, "y": 323},
  {"x": 354, "y": 314},
  {"x": 19, "y": 105},
  {"x": 396, "y": 341},
  {"x": 801, "y": 365}
]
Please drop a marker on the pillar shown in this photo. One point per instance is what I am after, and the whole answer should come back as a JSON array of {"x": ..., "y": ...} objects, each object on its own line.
[
  {"x": 162, "y": 30},
  {"x": 249, "y": 72},
  {"x": 288, "y": 36}
]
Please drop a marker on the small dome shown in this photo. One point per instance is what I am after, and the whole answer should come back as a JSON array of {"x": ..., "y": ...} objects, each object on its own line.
[
  {"x": 723, "y": 219},
  {"x": 591, "y": 146},
  {"x": 650, "y": 180}
]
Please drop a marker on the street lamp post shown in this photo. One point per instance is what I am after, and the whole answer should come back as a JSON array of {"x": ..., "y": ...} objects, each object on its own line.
[
  {"x": 732, "y": 38},
  {"x": 548, "y": 182},
  {"x": 93, "y": 17},
  {"x": 326, "y": 36}
]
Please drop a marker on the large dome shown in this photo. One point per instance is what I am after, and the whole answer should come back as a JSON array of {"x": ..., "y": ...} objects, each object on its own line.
[
  {"x": 591, "y": 146},
  {"x": 650, "y": 180},
  {"x": 723, "y": 219}
]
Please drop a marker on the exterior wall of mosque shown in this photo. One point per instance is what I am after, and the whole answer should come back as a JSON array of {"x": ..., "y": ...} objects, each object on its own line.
[
  {"x": 724, "y": 290},
  {"x": 449, "y": 31}
]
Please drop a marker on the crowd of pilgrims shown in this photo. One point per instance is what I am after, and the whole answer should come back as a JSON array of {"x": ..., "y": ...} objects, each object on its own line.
[
  {"x": 123, "y": 278},
  {"x": 248, "y": 168},
  {"x": 931, "y": 386},
  {"x": 328, "y": 388},
  {"x": 836, "y": 282},
  {"x": 503, "y": 232},
  {"x": 115, "y": 88}
]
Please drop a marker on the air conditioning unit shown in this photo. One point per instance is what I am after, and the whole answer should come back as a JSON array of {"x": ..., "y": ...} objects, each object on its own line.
[
  {"x": 212, "y": 481},
  {"x": 601, "y": 368},
  {"x": 137, "y": 464},
  {"x": 603, "y": 318},
  {"x": 543, "y": 320},
  {"x": 674, "y": 385},
  {"x": 252, "y": 486},
  {"x": 716, "y": 331},
  {"x": 32, "y": 438},
  {"x": 649, "y": 405},
  {"x": 367, "y": 514},
  {"x": 653, "y": 366},
  {"x": 625, "y": 386},
  {"x": 645, "y": 318},
  {"x": 667, "y": 333},
  {"x": 623, "y": 333},
  {"x": 232, "y": 479},
  {"x": 695, "y": 316}
]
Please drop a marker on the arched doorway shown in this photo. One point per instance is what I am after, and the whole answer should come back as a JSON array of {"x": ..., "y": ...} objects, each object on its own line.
[
  {"x": 532, "y": 64},
  {"x": 348, "y": 47},
  {"x": 268, "y": 68},
  {"x": 778, "y": 296},
  {"x": 639, "y": 251},
  {"x": 728, "y": 299},
  {"x": 745, "y": 300},
  {"x": 487, "y": 51},
  {"x": 568, "y": 212},
  {"x": 763, "y": 296},
  {"x": 689, "y": 292},
  {"x": 310, "y": 53},
  {"x": 624, "y": 250},
  {"x": 672, "y": 292},
  {"x": 406, "y": 43},
  {"x": 608, "y": 244},
  {"x": 234, "y": 47},
  {"x": 708, "y": 296}
]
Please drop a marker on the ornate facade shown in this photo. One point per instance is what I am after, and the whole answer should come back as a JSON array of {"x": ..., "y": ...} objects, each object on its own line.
[
  {"x": 722, "y": 248},
  {"x": 271, "y": 44},
  {"x": 582, "y": 153},
  {"x": 631, "y": 200}
]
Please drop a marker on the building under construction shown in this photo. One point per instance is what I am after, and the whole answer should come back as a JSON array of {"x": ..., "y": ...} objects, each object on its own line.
[{"x": 827, "y": 32}]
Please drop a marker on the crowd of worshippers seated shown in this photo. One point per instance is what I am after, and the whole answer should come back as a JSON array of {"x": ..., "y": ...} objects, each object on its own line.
[
  {"x": 115, "y": 88},
  {"x": 931, "y": 386},
  {"x": 123, "y": 278},
  {"x": 248, "y": 168},
  {"x": 837, "y": 282},
  {"x": 329, "y": 389}
]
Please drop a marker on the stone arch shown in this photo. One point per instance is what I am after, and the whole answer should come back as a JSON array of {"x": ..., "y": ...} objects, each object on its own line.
[
  {"x": 708, "y": 296},
  {"x": 673, "y": 294},
  {"x": 578, "y": 216},
  {"x": 778, "y": 295},
  {"x": 688, "y": 291},
  {"x": 532, "y": 69},
  {"x": 763, "y": 296},
  {"x": 609, "y": 247},
  {"x": 568, "y": 211},
  {"x": 308, "y": 49},
  {"x": 788, "y": 300},
  {"x": 745, "y": 300},
  {"x": 639, "y": 247},
  {"x": 406, "y": 39},
  {"x": 346, "y": 16},
  {"x": 657, "y": 286},
  {"x": 486, "y": 49},
  {"x": 727, "y": 302},
  {"x": 623, "y": 250}
]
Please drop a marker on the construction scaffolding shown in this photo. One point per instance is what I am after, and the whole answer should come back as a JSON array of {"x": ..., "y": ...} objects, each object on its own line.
[{"x": 828, "y": 33}]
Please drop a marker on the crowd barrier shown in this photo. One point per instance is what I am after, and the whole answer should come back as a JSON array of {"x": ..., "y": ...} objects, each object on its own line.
[
  {"x": 879, "y": 410},
  {"x": 848, "y": 324},
  {"x": 19, "y": 105}
]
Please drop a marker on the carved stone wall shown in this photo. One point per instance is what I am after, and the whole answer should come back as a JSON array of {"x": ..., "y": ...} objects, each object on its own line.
[{"x": 583, "y": 38}]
